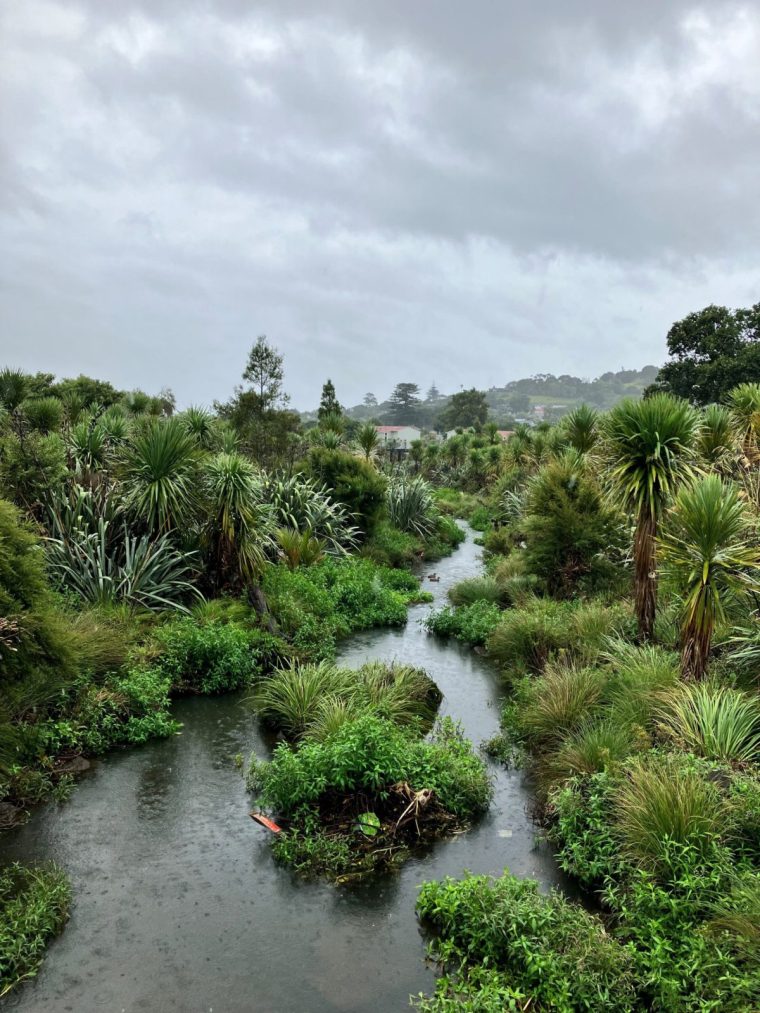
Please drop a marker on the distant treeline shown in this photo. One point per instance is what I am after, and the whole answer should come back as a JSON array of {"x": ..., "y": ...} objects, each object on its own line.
[{"x": 552, "y": 395}]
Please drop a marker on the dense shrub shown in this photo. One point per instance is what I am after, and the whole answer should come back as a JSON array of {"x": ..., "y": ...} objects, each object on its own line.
[
  {"x": 527, "y": 638},
  {"x": 128, "y": 707},
  {"x": 472, "y": 624},
  {"x": 582, "y": 830},
  {"x": 537, "y": 951},
  {"x": 214, "y": 657},
  {"x": 389, "y": 546},
  {"x": 573, "y": 538},
  {"x": 37, "y": 656},
  {"x": 34, "y": 905},
  {"x": 314, "y": 607},
  {"x": 369, "y": 755},
  {"x": 351, "y": 481}
]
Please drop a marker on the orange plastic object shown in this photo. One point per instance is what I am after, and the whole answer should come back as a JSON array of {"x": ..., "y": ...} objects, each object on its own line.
[{"x": 265, "y": 822}]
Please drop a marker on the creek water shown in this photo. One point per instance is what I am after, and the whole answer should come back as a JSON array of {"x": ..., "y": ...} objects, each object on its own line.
[{"x": 178, "y": 905}]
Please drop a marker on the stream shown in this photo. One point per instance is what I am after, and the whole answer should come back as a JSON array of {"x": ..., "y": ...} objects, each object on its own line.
[{"x": 178, "y": 904}]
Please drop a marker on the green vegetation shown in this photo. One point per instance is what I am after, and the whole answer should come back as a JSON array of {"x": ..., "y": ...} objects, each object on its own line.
[
  {"x": 509, "y": 946},
  {"x": 146, "y": 553},
  {"x": 416, "y": 788},
  {"x": 635, "y": 715},
  {"x": 34, "y": 906}
]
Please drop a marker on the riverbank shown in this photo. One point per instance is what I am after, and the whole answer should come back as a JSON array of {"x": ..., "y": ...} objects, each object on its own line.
[{"x": 176, "y": 892}]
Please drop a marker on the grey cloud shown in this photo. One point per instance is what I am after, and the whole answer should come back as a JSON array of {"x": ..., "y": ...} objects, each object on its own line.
[{"x": 465, "y": 193}]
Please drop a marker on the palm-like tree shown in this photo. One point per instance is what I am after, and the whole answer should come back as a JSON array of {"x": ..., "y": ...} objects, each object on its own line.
[
  {"x": 368, "y": 440},
  {"x": 581, "y": 427},
  {"x": 744, "y": 405},
  {"x": 707, "y": 552},
  {"x": 717, "y": 437},
  {"x": 650, "y": 445},
  {"x": 13, "y": 388},
  {"x": 233, "y": 535},
  {"x": 160, "y": 474}
]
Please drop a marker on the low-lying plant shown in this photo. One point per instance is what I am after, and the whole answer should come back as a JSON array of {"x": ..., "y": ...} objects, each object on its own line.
[
  {"x": 526, "y": 638},
  {"x": 472, "y": 624},
  {"x": 34, "y": 906},
  {"x": 416, "y": 788},
  {"x": 511, "y": 944},
  {"x": 315, "y": 699},
  {"x": 717, "y": 722}
]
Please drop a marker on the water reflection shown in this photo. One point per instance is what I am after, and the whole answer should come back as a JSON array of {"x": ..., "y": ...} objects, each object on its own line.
[{"x": 179, "y": 906}]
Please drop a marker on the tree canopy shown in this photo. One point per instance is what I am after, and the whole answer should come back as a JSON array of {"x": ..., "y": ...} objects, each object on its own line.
[
  {"x": 711, "y": 352},
  {"x": 465, "y": 409}
]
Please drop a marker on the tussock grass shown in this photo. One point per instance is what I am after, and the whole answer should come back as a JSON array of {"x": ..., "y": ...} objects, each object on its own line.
[
  {"x": 595, "y": 746},
  {"x": 314, "y": 700},
  {"x": 559, "y": 702},
  {"x": 662, "y": 801},
  {"x": 639, "y": 675}
]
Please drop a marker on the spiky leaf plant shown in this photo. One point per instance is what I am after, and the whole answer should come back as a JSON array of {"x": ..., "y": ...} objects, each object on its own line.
[
  {"x": 581, "y": 428},
  {"x": 368, "y": 440},
  {"x": 235, "y": 531},
  {"x": 410, "y": 506},
  {"x": 707, "y": 552},
  {"x": 160, "y": 467},
  {"x": 717, "y": 722},
  {"x": 717, "y": 440},
  {"x": 650, "y": 446}
]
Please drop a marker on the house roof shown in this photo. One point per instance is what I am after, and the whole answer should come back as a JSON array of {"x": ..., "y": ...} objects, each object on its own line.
[{"x": 393, "y": 429}]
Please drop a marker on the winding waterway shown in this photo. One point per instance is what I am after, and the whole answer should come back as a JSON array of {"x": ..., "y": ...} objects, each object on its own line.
[{"x": 178, "y": 905}]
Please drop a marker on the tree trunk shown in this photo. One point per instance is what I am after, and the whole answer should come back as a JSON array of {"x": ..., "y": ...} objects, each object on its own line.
[
  {"x": 645, "y": 574},
  {"x": 695, "y": 651}
]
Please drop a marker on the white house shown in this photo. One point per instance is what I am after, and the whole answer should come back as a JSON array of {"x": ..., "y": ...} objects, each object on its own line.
[{"x": 398, "y": 437}]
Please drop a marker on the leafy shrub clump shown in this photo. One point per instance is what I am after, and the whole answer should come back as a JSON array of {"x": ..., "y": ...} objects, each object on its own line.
[
  {"x": 390, "y": 546},
  {"x": 128, "y": 707},
  {"x": 316, "y": 606},
  {"x": 472, "y": 624},
  {"x": 418, "y": 788},
  {"x": 213, "y": 657},
  {"x": 574, "y": 540},
  {"x": 34, "y": 906},
  {"x": 513, "y": 945}
]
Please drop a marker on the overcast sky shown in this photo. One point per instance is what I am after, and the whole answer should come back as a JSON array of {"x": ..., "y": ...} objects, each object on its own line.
[{"x": 390, "y": 190}]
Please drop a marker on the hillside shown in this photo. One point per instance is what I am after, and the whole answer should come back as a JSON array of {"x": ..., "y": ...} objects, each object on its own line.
[{"x": 541, "y": 396}]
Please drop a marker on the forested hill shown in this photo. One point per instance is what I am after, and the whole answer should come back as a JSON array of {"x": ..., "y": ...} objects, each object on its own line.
[{"x": 544, "y": 394}]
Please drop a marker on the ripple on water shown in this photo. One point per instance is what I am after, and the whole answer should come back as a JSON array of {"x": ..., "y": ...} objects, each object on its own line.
[{"x": 178, "y": 904}]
